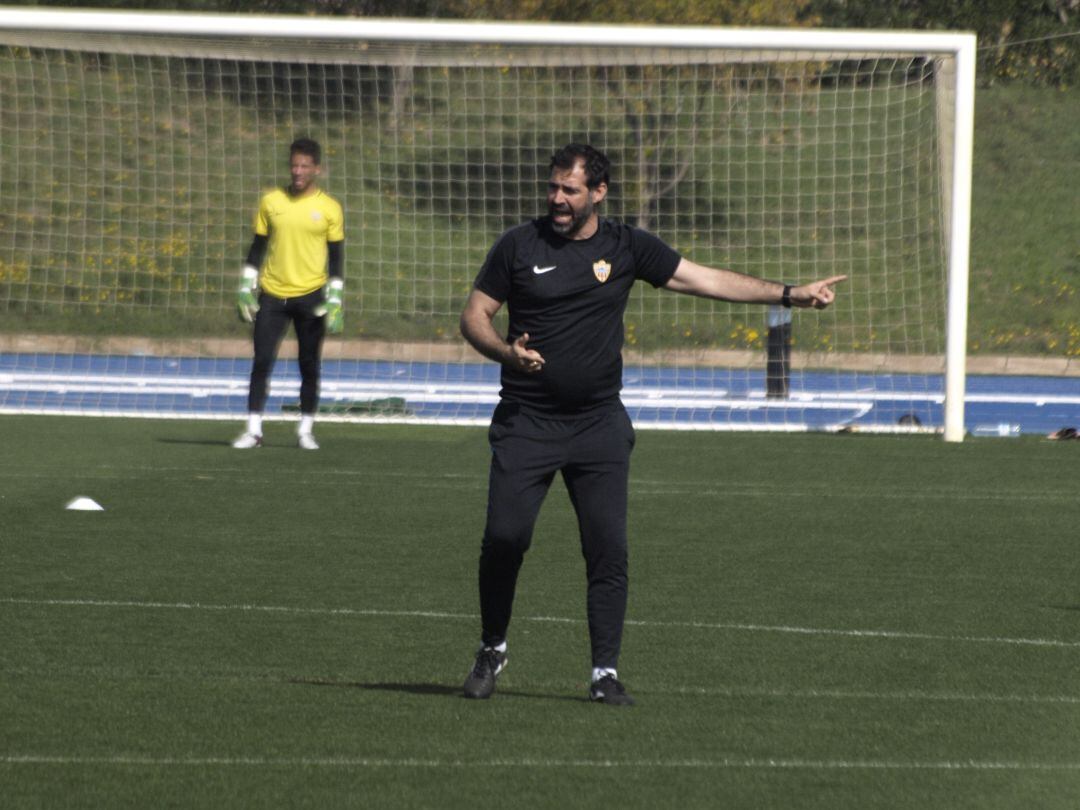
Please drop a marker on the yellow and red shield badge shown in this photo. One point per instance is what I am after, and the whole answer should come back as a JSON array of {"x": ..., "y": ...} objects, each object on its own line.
[{"x": 601, "y": 270}]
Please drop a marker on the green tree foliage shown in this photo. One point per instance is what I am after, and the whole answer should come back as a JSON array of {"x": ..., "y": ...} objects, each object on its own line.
[
  {"x": 1036, "y": 41},
  {"x": 1033, "y": 40},
  {"x": 661, "y": 12}
]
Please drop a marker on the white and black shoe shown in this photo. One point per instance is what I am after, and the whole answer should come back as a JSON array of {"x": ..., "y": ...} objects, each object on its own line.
[
  {"x": 610, "y": 691},
  {"x": 247, "y": 440},
  {"x": 306, "y": 441},
  {"x": 481, "y": 681}
]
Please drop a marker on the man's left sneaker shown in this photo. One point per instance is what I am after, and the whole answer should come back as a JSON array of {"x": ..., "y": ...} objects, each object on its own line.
[
  {"x": 481, "y": 681},
  {"x": 608, "y": 690},
  {"x": 306, "y": 441},
  {"x": 247, "y": 440}
]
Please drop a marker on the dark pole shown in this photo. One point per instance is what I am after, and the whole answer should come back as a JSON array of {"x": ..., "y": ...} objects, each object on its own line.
[{"x": 778, "y": 364}]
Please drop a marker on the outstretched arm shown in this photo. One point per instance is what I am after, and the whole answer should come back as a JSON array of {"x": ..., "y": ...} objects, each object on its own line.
[
  {"x": 478, "y": 329},
  {"x": 727, "y": 285}
]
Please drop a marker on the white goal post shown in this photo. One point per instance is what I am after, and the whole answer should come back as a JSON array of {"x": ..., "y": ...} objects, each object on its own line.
[{"x": 135, "y": 146}]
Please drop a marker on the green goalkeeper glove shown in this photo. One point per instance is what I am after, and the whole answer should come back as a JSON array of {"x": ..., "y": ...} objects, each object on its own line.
[
  {"x": 246, "y": 302},
  {"x": 335, "y": 318}
]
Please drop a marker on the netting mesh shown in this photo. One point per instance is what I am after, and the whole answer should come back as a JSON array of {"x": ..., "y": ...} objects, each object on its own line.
[{"x": 133, "y": 166}]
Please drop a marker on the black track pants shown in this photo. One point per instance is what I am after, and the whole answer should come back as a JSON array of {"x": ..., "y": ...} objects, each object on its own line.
[
  {"x": 593, "y": 455},
  {"x": 271, "y": 323}
]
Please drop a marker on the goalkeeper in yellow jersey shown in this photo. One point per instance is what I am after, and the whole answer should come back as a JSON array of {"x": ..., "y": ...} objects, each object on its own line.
[{"x": 293, "y": 273}]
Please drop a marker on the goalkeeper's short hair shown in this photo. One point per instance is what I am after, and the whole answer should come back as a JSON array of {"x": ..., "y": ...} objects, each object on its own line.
[{"x": 306, "y": 146}]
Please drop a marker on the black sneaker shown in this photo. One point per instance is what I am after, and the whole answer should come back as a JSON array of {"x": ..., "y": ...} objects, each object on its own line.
[
  {"x": 481, "y": 681},
  {"x": 608, "y": 690}
]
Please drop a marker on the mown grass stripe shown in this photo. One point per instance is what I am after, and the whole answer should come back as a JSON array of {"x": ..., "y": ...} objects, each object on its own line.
[{"x": 408, "y": 762}]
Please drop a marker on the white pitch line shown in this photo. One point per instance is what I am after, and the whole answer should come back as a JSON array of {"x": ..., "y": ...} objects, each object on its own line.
[
  {"x": 526, "y": 762},
  {"x": 430, "y": 614},
  {"x": 820, "y": 631},
  {"x": 422, "y": 614},
  {"x": 852, "y": 694}
]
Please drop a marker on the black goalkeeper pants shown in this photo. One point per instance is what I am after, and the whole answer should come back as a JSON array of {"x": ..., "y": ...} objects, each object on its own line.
[
  {"x": 593, "y": 455},
  {"x": 271, "y": 322}
]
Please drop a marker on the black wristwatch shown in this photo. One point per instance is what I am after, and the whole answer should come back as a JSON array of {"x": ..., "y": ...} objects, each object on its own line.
[{"x": 785, "y": 297}]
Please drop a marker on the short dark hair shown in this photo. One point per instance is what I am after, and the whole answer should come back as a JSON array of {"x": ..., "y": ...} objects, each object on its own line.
[
  {"x": 597, "y": 165},
  {"x": 306, "y": 146}
]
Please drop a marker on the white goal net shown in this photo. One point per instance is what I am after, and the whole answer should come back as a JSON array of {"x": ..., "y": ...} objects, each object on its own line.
[{"x": 135, "y": 148}]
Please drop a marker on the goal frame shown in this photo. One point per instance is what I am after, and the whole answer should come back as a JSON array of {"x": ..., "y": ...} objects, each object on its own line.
[{"x": 958, "y": 49}]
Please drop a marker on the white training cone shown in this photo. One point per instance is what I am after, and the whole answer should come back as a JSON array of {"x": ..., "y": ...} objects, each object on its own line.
[{"x": 84, "y": 504}]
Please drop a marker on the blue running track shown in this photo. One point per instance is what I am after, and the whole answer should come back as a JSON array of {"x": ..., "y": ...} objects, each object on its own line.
[{"x": 464, "y": 392}]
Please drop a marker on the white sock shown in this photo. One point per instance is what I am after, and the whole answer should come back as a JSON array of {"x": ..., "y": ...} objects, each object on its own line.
[
  {"x": 600, "y": 672},
  {"x": 501, "y": 646},
  {"x": 307, "y": 423},
  {"x": 255, "y": 424}
]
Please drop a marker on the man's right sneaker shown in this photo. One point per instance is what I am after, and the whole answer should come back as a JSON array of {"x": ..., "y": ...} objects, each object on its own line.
[
  {"x": 246, "y": 440},
  {"x": 608, "y": 690},
  {"x": 481, "y": 681}
]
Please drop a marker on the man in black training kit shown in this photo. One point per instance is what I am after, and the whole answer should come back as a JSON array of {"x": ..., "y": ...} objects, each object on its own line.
[{"x": 565, "y": 279}]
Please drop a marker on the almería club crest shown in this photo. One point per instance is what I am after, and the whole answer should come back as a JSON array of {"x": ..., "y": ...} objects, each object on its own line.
[{"x": 601, "y": 270}]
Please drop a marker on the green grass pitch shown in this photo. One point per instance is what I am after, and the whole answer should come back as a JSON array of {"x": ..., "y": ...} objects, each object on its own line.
[{"x": 815, "y": 622}]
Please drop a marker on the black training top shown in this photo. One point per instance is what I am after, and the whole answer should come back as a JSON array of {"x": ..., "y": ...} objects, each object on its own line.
[{"x": 569, "y": 296}]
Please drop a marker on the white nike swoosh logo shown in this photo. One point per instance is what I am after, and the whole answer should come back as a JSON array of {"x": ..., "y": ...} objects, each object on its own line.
[{"x": 541, "y": 270}]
